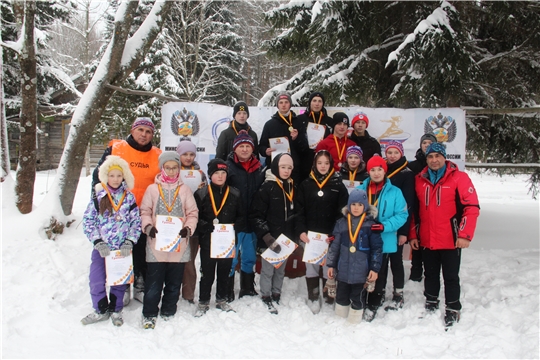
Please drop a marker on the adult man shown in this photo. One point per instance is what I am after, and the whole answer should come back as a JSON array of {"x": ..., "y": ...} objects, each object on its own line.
[
  {"x": 446, "y": 220},
  {"x": 142, "y": 158},
  {"x": 226, "y": 138},
  {"x": 285, "y": 124},
  {"x": 338, "y": 142},
  {"x": 369, "y": 145}
]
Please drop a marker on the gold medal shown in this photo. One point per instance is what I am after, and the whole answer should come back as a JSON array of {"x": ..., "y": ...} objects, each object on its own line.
[
  {"x": 291, "y": 128},
  {"x": 339, "y": 164},
  {"x": 352, "y": 249}
]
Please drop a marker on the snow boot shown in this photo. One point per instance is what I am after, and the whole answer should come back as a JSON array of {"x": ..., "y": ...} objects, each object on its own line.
[
  {"x": 202, "y": 308},
  {"x": 327, "y": 298},
  {"x": 276, "y": 298},
  {"x": 224, "y": 306},
  {"x": 149, "y": 322},
  {"x": 247, "y": 285},
  {"x": 369, "y": 313},
  {"x": 355, "y": 316},
  {"x": 451, "y": 317},
  {"x": 230, "y": 289},
  {"x": 342, "y": 310},
  {"x": 267, "y": 300},
  {"x": 127, "y": 295},
  {"x": 95, "y": 317},
  {"x": 314, "y": 301},
  {"x": 116, "y": 318},
  {"x": 138, "y": 289},
  {"x": 416, "y": 274},
  {"x": 431, "y": 305},
  {"x": 166, "y": 317},
  {"x": 397, "y": 301}
]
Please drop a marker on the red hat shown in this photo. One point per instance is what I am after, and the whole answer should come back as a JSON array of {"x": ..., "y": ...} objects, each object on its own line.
[
  {"x": 375, "y": 161},
  {"x": 360, "y": 116}
]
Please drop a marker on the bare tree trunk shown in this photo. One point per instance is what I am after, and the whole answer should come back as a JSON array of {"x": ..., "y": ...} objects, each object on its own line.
[
  {"x": 26, "y": 171},
  {"x": 3, "y": 121}
]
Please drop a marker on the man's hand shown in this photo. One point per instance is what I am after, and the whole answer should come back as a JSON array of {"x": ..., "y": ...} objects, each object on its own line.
[
  {"x": 462, "y": 243},
  {"x": 414, "y": 244}
]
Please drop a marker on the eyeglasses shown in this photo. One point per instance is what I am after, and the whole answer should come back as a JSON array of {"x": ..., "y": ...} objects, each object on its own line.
[{"x": 171, "y": 169}]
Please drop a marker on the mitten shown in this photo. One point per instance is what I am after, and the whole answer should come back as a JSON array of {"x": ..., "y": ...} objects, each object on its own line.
[
  {"x": 151, "y": 231},
  {"x": 369, "y": 286},
  {"x": 331, "y": 287},
  {"x": 102, "y": 248},
  {"x": 271, "y": 243},
  {"x": 377, "y": 228},
  {"x": 126, "y": 247},
  {"x": 185, "y": 232}
]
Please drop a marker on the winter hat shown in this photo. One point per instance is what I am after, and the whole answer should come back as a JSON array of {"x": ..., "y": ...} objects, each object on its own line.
[
  {"x": 315, "y": 94},
  {"x": 375, "y": 161},
  {"x": 360, "y": 116},
  {"x": 243, "y": 137},
  {"x": 281, "y": 159},
  {"x": 143, "y": 121},
  {"x": 116, "y": 162},
  {"x": 283, "y": 95},
  {"x": 354, "y": 150},
  {"x": 358, "y": 196},
  {"x": 340, "y": 117},
  {"x": 436, "y": 148},
  {"x": 396, "y": 145},
  {"x": 240, "y": 106},
  {"x": 168, "y": 156},
  {"x": 216, "y": 165},
  {"x": 318, "y": 154},
  {"x": 186, "y": 146},
  {"x": 428, "y": 136}
]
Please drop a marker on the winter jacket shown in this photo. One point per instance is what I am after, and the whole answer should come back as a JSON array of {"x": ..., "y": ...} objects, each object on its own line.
[
  {"x": 184, "y": 207},
  {"x": 185, "y": 177},
  {"x": 329, "y": 143},
  {"x": 271, "y": 211},
  {"x": 319, "y": 213},
  {"x": 392, "y": 213},
  {"x": 419, "y": 164},
  {"x": 143, "y": 163},
  {"x": 361, "y": 173},
  {"x": 276, "y": 127},
  {"x": 353, "y": 268},
  {"x": 369, "y": 145},
  {"x": 248, "y": 182},
  {"x": 231, "y": 213},
  {"x": 447, "y": 211},
  {"x": 404, "y": 180},
  {"x": 111, "y": 228},
  {"x": 227, "y": 136}
]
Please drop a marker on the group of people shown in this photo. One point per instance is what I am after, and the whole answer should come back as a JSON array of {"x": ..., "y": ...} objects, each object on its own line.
[{"x": 366, "y": 206}]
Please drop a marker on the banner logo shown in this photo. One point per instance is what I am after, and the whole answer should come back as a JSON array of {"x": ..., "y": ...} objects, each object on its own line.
[
  {"x": 185, "y": 123},
  {"x": 443, "y": 127}
]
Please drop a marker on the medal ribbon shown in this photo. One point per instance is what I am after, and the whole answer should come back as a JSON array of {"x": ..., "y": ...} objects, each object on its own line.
[
  {"x": 397, "y": 170},
  {"x": 353, "y": 238},
  {"x": 340, "y": 153},
  {"x": 234, "y": 127},
  {"x": 114, "y": 205},
  {"x": 289, "y": 122},
  {"x": 169, "y": 207},
  {"x": 191, "y": 168},
  {"x": 289, "y": 195},
  {"x": 320, "y": 185},
  {"x": 216, "y": 211},
  {"x": 369, "y": 196},
  {"x": 312, "y": 114},
  {"x": 352, "y": 175}
]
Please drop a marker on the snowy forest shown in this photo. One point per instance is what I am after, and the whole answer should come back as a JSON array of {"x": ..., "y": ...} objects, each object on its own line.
[{"x": 115, "y": 60}]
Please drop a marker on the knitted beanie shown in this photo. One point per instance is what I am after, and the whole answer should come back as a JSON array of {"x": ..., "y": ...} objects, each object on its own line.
[
  {"x": 436, "y": 148},
  {"x": 396, "y": 145},
  {"x": 168, "y": 156},
  {"x": 243, "y": 137},
  {"x": 186, "y": 146},
  {"x": 315, "y": 94},
  {"x": 355, "y": 150},
  {"x": 340, "y": 117},
  {"x": 358, "y": 196},
  {"x": 143, "y": 121},
  {"x": 375, "y": 161},
  {"x": 428, "y": 136},
  {"x": 360, "y": 116},
  {"x": 216, "y": 165},
  {"x": 283, "y": 95},
  {"x": 240, "y": 106}
]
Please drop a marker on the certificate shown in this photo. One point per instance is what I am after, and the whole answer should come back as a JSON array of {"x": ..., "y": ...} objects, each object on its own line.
[
  {"x": 118, "y": 269},
  {"x": 316, "y": 249},
  {"x": 167, "y": 236},
  {"x": 222, "y": 242},
  {"x": 191, "y": 178},
  {"x": 281, "y": 144},
  {"x": 315, "y": 133},
  {"x": 351, "y": 185},
  {"x": 287, "y": 248}
]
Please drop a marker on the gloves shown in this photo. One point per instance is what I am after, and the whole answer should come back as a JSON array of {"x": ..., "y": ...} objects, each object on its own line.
[
  {"x": 331, "y": 287},
  {"x": 185, "y": 232},
  {"x": 126, "y": 247},
  {"x": 151, "y": 231},
  {"x": 377, "y": 228},
  {"x": 369, "y": 286},
  {"x": 271, "y": 243},
  {"x": 102, "y": 248}
]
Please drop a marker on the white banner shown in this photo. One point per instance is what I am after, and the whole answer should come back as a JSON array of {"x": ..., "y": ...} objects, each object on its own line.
[{"x": 202, "y": 123}]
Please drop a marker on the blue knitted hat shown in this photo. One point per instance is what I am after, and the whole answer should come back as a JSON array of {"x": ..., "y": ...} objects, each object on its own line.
[
  {"x": 436, "y": 148},
  {"x": 358, "y": 196}
]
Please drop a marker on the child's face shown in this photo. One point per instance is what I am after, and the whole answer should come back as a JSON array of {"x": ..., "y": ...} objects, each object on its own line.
[
  {"x": 316, "y": 104},
  {"x": 425, "y": 145},
  {"x": 219, "y": 177},
  {"x": 360, "y": 126},
  {"x": 115, "y": 178},
  {"x": 323, "y": 165},
  {"x": 353, "y": 161},
  {"x": 392, "y": 155},
  {"x": 376, "y": 174},
  {"x": 357, "y": 209},
  {"x": 285, "y": 171},
  {"x": 187, "y": 158},
  {"x": 171, "y": 168},
  {"x": 241, "y": 117}
]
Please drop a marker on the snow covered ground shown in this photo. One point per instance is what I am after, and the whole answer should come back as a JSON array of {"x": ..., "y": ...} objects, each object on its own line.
[{"x": 45, "y": 294}]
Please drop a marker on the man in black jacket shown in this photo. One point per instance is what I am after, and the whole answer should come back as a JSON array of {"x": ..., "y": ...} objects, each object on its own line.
[{"x": 369, "y": 145}]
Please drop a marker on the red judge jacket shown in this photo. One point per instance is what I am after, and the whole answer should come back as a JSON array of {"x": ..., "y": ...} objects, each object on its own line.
[
  {"x": 446, "y": 211},
  {"x": 329, "y": 143}
]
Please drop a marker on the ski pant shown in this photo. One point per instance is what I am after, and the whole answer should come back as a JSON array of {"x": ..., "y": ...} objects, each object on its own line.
[
  {"x": 208, "y": 274},
  {"x": 247, "y": 243},
  {"x": 351, "y": 294},
  {"x": 139, "y": 257},
  {"x": 98, "y": 291},
  {"x": 159, "y": 274},
  {"x": 376, "y": 298},
  {"x": 190, "y": 273},
  {"x": 449, "y": 261},
  {"x": 271, "y": 280},
  {"x": 396, "y": 265},
  {"x": 416, "y": 262},
  {"x": 312, "y": 270}
]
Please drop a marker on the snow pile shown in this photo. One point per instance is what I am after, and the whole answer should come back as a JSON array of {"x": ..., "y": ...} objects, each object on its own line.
[{"x": 45, "y": 294}]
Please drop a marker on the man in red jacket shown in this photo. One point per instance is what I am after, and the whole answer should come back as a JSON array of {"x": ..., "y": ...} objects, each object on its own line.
[{"x": 445, "y": 223}]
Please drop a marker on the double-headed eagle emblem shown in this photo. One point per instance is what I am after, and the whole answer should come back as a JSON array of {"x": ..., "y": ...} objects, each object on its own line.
[
  {"x": 185, "y": 123},
  {"x": 443, "y": 127}
]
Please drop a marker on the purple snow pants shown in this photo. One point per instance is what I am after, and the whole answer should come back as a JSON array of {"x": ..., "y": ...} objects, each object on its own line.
[{"x": 98, "y": 291}]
